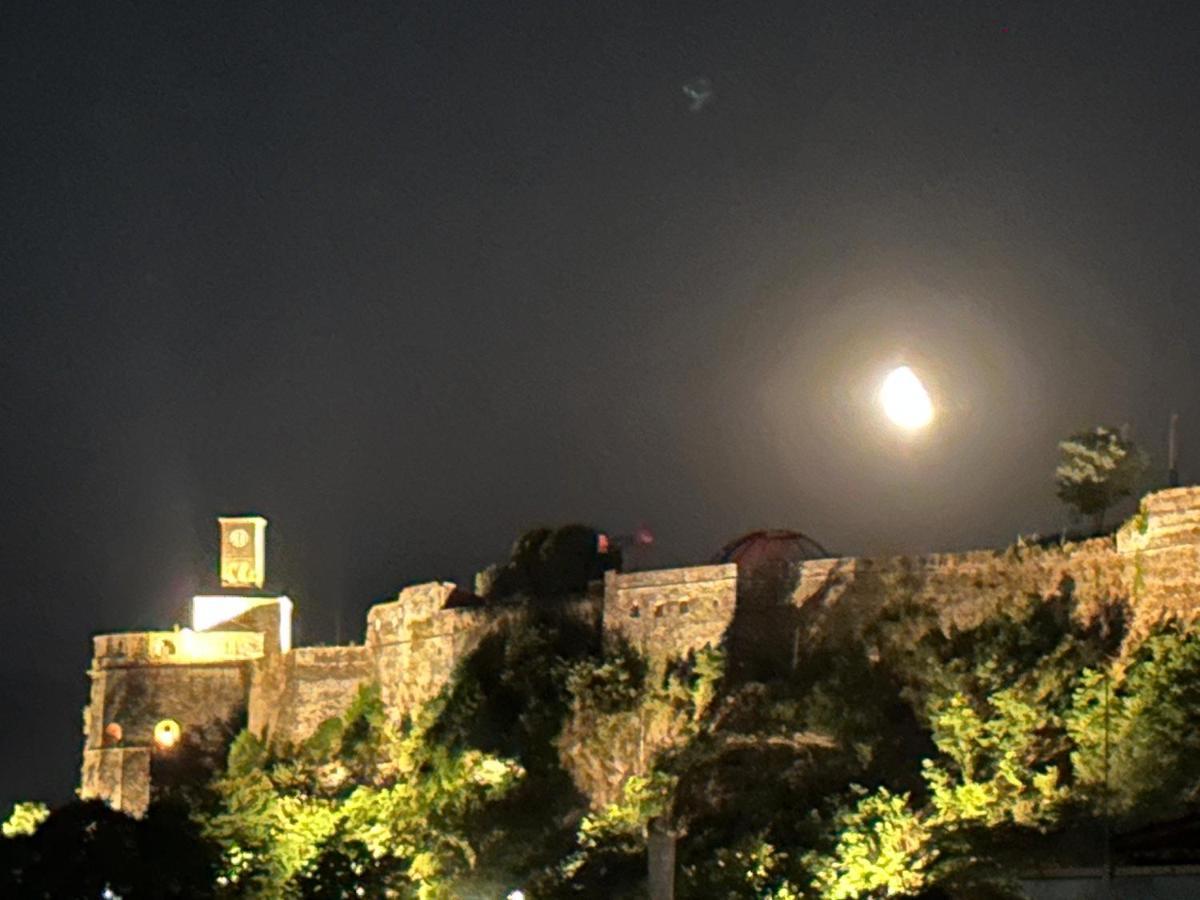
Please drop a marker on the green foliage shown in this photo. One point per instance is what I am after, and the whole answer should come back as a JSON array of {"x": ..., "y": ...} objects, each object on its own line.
[
  {"x": 995, "y": 768},
  {"x": 247, "y": 754},
  {"x": 510, "y": 695},
  {"x": 642, "y": 799},
  {"x": 996, "y": 699},
  {"x": 363, "y": 797},
  {"x": 1024, "y": 744},
  {"x": 624, "y": 722},
  {"x": 613, "y": 684},
  {"x": 623, "y": 716},
  {"x": 1136, "y": 751},
  {"x": 752, "y": 867},
  {"x": 25, "y": 819},
  {"x": 883, "y": 847},
  {"x": 1096, "y": 469},
  {"x": 1141, "y": 519}
]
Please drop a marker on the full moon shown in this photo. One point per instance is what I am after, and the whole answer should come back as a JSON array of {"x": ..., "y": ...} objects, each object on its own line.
[{"x": 905, "y": 399}]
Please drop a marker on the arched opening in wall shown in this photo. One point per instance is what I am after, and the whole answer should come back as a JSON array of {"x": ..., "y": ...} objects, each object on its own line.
[{"x": 113, "y": 733}]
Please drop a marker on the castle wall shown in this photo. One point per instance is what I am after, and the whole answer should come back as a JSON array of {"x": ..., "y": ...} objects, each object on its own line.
[
  {"x": 118, "y": 775},
  {"x": 670, "y": 612},
  {"x": 137, "y": 682},
  {"x": 141, "y": 678},
  {"x": 961, "y": 589},
  {"x": 768, "y": 620},
  {"x": 1162, "y": 544},
  {"x": 181, "y": 647},
  {"x": 416, "y": 642},
  {"x": 294, "y": 693}
]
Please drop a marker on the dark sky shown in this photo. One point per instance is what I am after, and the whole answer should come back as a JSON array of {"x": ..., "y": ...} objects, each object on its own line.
[{"x": 408, "y": 278}]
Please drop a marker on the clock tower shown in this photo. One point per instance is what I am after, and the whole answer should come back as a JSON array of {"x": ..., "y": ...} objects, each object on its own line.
[{"x": 243, "y": 551}]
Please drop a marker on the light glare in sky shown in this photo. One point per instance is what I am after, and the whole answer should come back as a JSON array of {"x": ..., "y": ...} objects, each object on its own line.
[{"x": 905, "y": 399}]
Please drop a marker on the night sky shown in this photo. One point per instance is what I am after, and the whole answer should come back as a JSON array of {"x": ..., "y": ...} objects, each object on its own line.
[{"x": 408, "y": 278}]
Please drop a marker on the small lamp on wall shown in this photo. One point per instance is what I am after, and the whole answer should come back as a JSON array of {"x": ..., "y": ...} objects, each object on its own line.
[{"x": 167, "y": 734}]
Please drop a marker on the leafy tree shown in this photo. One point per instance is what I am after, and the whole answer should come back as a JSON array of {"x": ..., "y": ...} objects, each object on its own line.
[
  {"x": 1136, "y": 752},
  {"x": 362, "y": 805},
  {"x": 510, "y": 698},
  {"x": 25, "y": 819},
  {"x": 1096, "y": 469},
  {"x": 883, "y": 848},
  {"x": 997, "y": 699}
]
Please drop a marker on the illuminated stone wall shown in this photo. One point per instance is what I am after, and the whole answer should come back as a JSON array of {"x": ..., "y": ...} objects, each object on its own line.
[
  {"x": 670, "y": 612},
  {"x": 414, "y": 643},
  {"x": 963, "y": 588},
  {"x": 1162, "y": 546},
  {"x": 1151, "y": 569},
  {"x": 172, "y": 648},
  {"x": 294, "y": 693},
  {"x": 128, "y": 700},
  {"x": 118, "y": 775}
]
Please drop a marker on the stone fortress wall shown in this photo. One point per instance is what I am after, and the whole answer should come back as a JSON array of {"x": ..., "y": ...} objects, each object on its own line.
[
  {"x": 414, "y": 643},
  {"x": 143, "y": 678}
]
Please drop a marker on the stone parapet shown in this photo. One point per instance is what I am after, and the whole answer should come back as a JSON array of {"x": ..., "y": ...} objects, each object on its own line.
[
  {"x": 1165, "y": 519},
  {"x": 418, "y": 612},
  {"x": 182, "y": 647},
  {"x": 960, "y": 589},
  {"x": 417, "y": 640},
  {"x": 413, "y": 670},
  {"x": 671, "y": 612}
]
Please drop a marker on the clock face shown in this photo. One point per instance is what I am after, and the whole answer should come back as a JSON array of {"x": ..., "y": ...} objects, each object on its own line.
[{"x": 239, "y": 538}]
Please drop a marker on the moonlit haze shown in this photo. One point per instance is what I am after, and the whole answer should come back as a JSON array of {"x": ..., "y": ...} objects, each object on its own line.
[{"x": 905, "y": 399}]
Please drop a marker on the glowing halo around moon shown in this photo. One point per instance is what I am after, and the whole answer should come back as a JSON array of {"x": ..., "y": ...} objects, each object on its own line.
[{"x": 905, "y": 400}]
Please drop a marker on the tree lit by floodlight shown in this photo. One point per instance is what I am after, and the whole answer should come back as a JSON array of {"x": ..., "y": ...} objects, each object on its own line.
[{"x": 905, "y": 399}]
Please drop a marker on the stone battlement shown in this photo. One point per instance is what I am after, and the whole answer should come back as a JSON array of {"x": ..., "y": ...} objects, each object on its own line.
[
  {"x": 424, "y": 611},
  {"x": 174, "y": 648},
  {"x": 1165, "y": 519},
  {"x": 670, "y": 611}
]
